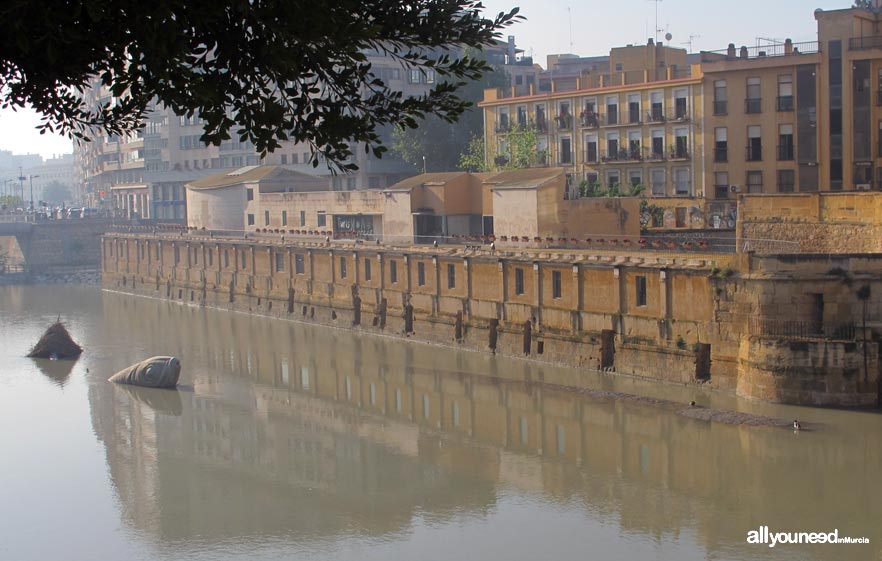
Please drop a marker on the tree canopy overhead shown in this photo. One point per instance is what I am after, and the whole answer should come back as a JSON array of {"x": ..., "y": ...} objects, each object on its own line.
[{"x": 264, "y": 70}]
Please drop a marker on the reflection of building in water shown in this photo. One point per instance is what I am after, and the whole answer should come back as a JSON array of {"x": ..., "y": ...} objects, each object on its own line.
[{"x": 296, "y": 427}]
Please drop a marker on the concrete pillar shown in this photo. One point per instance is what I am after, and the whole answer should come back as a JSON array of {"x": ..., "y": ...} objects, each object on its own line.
[{"x": 664, "y": 295}]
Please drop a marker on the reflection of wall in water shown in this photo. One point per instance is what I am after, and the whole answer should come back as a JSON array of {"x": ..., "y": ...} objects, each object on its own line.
[{"x": 635, "y": 463}]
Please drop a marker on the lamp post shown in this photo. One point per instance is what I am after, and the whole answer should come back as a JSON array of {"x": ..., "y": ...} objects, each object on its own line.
[{"x": 34, "y": 210}]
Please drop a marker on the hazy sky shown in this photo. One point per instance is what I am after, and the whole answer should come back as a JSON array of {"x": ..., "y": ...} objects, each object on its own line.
[{"x": 593, "y": 26}]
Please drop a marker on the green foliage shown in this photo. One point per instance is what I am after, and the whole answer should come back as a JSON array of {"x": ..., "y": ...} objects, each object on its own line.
[
  {"x": 651, "y": 214},
  {"x": 870, "y": 5},
  {"x": 264, "y": 72},
  {"x": 11, "y": 201},
  {"x": 442, "y": 142},
  {"x": 473, "y": 158},
  {"x": 522, "y": 150}
]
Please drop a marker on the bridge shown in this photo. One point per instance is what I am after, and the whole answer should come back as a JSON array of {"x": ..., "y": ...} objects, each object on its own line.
[{"x": 43, "y": 245}]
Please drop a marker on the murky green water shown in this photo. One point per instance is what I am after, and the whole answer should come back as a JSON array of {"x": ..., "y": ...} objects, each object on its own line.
[{"x": 289, "y": 441}]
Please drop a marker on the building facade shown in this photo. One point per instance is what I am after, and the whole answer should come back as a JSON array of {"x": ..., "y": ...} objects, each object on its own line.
[{"x": 782, "y": 118}]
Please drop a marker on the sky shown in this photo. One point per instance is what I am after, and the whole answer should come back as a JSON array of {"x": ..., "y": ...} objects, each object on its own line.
[{"x": 584, "y": 27}]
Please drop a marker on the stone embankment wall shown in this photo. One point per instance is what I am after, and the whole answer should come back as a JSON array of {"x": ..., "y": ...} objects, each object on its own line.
[
  {"x": 676, "y": 317},
  {"x": 847, "y": 222}
]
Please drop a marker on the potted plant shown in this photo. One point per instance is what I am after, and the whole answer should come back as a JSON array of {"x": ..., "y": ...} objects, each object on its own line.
[
  {"x": 503, "y": 238},
  {"x": 587, "y": 240},
  {"x": 642, "y": 242},
  {"x": 537, "y": 239},
  {"x": 626, "y": 241},
  {"x": 703, "y": 244},
  {"x": 525, "y": 239},
  {"x": 613, "y": 241},
  {"x": 671, "y": 244},
  {"x": 687, "y": 244}
]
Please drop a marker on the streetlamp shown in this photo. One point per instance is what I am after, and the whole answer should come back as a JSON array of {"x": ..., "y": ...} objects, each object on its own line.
[{"x": 32, "y": 193}]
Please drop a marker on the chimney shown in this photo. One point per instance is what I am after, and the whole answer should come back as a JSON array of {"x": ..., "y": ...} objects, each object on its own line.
[
  {"x": 650, "y": 42},
  {"x": 743, "y": 53},
  {"x": 511, "y": 49},
  {"x": 730, "y": 52}
]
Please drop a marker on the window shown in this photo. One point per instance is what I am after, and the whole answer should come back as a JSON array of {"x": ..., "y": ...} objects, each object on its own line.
[
  {"x": 284, "y": 159},
  {"x": 393, "y": 271},
  {"x": 634, "y": 152},
  {"x": 251, "y": 220},
  {"x": 721, "y": 144},
  {"x": 785, "y": 142},
  {"x": 681, "y": 146},
  {"x": 634, "y": 108},
  {"x": 519, "y": 281},
  {"x": 367, "y": 269},
  {"x": 295, "y": 158},
  {"x": 657, "y": 182},
  {"x": 555, "y": 284},
  {"x": 681, "y": 107},
  {"x": 430, "y": 76},
  {"x": 635, "y": 177},
  {"x": 566, "y": 156},
  {"x": 721, "y": 104},
  {"x": 451, "y": 276},
  {"x": 785, "y": 92},
  {"x": 299, "y": 265},
  {"x": 266, "y": 218},
  {"x": 591, "y": 148},
  {"x": 421, "y": 274},
  {"x": 682, "y": 182},
  {"x": 754, "y": 144},
  {"x": 612, "y": 110},
  {"x": 414, "y": 76},
  {"x": 280, "y": 262},
  {"x": 302, "y": 218},
  {"x": 612, "y": 146},
  {"x": 342, "y": 267},
  {"x": 657, "y": 107},
  {"x": 786, "y": 180},
  {"x": 249, "y": 194},
  {"x": 321, "y": 219},
  {"x": 754, "y": 102},
  {"x": 754, "y": 182},
  {"x": 658, "y": 145},
  {"x": 641, "y": 291},
  {"x": 721, "y": 185},
  {"x": 613, "y": 179},
  {"x": 284, "y": 218}
]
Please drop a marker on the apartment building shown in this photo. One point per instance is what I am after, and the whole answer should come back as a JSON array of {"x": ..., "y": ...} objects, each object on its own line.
[
  {"x": 781, "y": 118},
  {"x": 637, "y": 124}
]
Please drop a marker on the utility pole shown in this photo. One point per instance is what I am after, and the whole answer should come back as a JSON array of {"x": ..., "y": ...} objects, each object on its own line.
[
  {"x": 34, "y": 210},
  {"x": 21, "y": 179}
]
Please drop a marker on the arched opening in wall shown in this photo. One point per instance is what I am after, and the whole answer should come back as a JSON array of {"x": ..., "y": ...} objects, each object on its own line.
[
  {"x": 375, "y": 322},
  {"x": 269, "y": 305},
  {"x": 180, "y": 294},
  {"x": 290, "y": 300},
  {"x": 333, "y": 315},
  {"x": 408, "y": 319},
  {"x": 528, "y": 336},
  {"x": 312, "y": 312},
  {"x": 540, "y": 347},
  {"x": 258, "y": 301},
  {"x": 168, "y": 288},
  {"x": 303, "y": 311},
  {"x": 383, "y": 304},
  {"x": 192, "y": 295},
  {"x": 232, "y": 292},
  {"x": 457, "y": 330},
  {"x": 356, "y": 310},
  {"x": 124, "y": 281}
]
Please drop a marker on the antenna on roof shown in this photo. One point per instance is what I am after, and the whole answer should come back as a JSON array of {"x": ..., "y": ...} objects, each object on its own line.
[
  {"x": 657, "y": 2},
  {"x": 689, "y": 42},
  {"x": 570, "y": 12}
]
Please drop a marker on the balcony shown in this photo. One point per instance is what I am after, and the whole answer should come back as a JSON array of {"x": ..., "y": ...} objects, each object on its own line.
[
  {"x": 564, "y": 122},
  {"x": 590, "y": 119},
  {"x": 503, "y": 127},
  {"x": 863, "y": 43},
  {"x": 541, "y": 124},
  {"x": 784, "y": 103},
  {"x": 785, "y": 152},
  {"x": 721, "y": 155},
  {"x": 657, "y": 156},
  {"x": 565, "y": 159},
  {"x": 680, "y": 116},
  {"x": 680, "y": 154},
  {"x": 753, "y": 105},
  {"x": 656, "y": 116},
  {"x": 753, "y": 153},
  {"x": 721, "y": 107},
  {"x": 623, "y": 155},
  {"x": 611, "y": 119},
  {"x": 634, "y": 118},
  {"x": 590, "y": 156}
]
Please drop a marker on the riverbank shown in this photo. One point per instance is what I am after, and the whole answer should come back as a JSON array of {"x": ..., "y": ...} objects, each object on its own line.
[{"x": 68, "y": 275}]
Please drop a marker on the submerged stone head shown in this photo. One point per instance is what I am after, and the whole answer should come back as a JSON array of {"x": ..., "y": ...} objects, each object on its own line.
[{"x": 155, "y": 372}]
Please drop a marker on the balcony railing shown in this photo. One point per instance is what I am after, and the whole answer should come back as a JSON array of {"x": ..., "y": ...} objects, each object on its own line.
[
  {"x": 590, "y": 156},
  {"x": 753, "y": 153},
  {"x": 590, "y": 120},
  {"x": 785, "y": 152},
  {"x": 721, "y": 107},
  {"x": 656, "y": 156},
  {"x": 623, "y": 155},
  {"x": 753, "y": 105},
  {"x": 721, "y": 155},
  {"x": 503, "y": 127},
  {"x": 612, "y": 119},
  {"x": 565, "y": 159},
  {"x": 861, "y": 43},
  {"x": 721, "y": 191},
  {"x": 564, "y": 122},
  {"x": 763, "y": 51},
  {"x": 680, "y": 154},
  {"x": 680, "y": 116},
  {"x": 634, "y": 118},
  {"x": 656, "y": 116},
  {"x": 785, "y": 103}
]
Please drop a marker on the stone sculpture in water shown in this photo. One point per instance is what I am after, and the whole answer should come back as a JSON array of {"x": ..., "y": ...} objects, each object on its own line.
[{"x": 156, "y": 372}]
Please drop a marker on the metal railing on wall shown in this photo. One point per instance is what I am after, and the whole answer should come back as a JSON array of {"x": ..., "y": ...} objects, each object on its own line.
[{"x": 799, "y": 329}]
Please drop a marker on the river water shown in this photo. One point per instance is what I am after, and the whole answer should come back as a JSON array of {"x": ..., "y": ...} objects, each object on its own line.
[{"x": 291, "y": 441}]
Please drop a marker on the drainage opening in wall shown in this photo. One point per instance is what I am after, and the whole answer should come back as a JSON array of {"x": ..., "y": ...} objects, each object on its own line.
[
  {"x": 303, "y": 311},
  {"x": 333, "y": 315},
  {"x": 312, "y": 313},
  {"x": 269, "y": 305},
  {"x": 540, "y": 347}
]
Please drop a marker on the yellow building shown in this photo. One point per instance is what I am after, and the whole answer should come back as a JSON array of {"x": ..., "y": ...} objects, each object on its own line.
[{"x": 781, "y": 118}]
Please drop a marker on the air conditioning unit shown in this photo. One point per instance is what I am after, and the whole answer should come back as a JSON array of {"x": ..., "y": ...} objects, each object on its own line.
[
  {"x": 734, "y": 189},
  {"x": 863, "y": 186}
]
